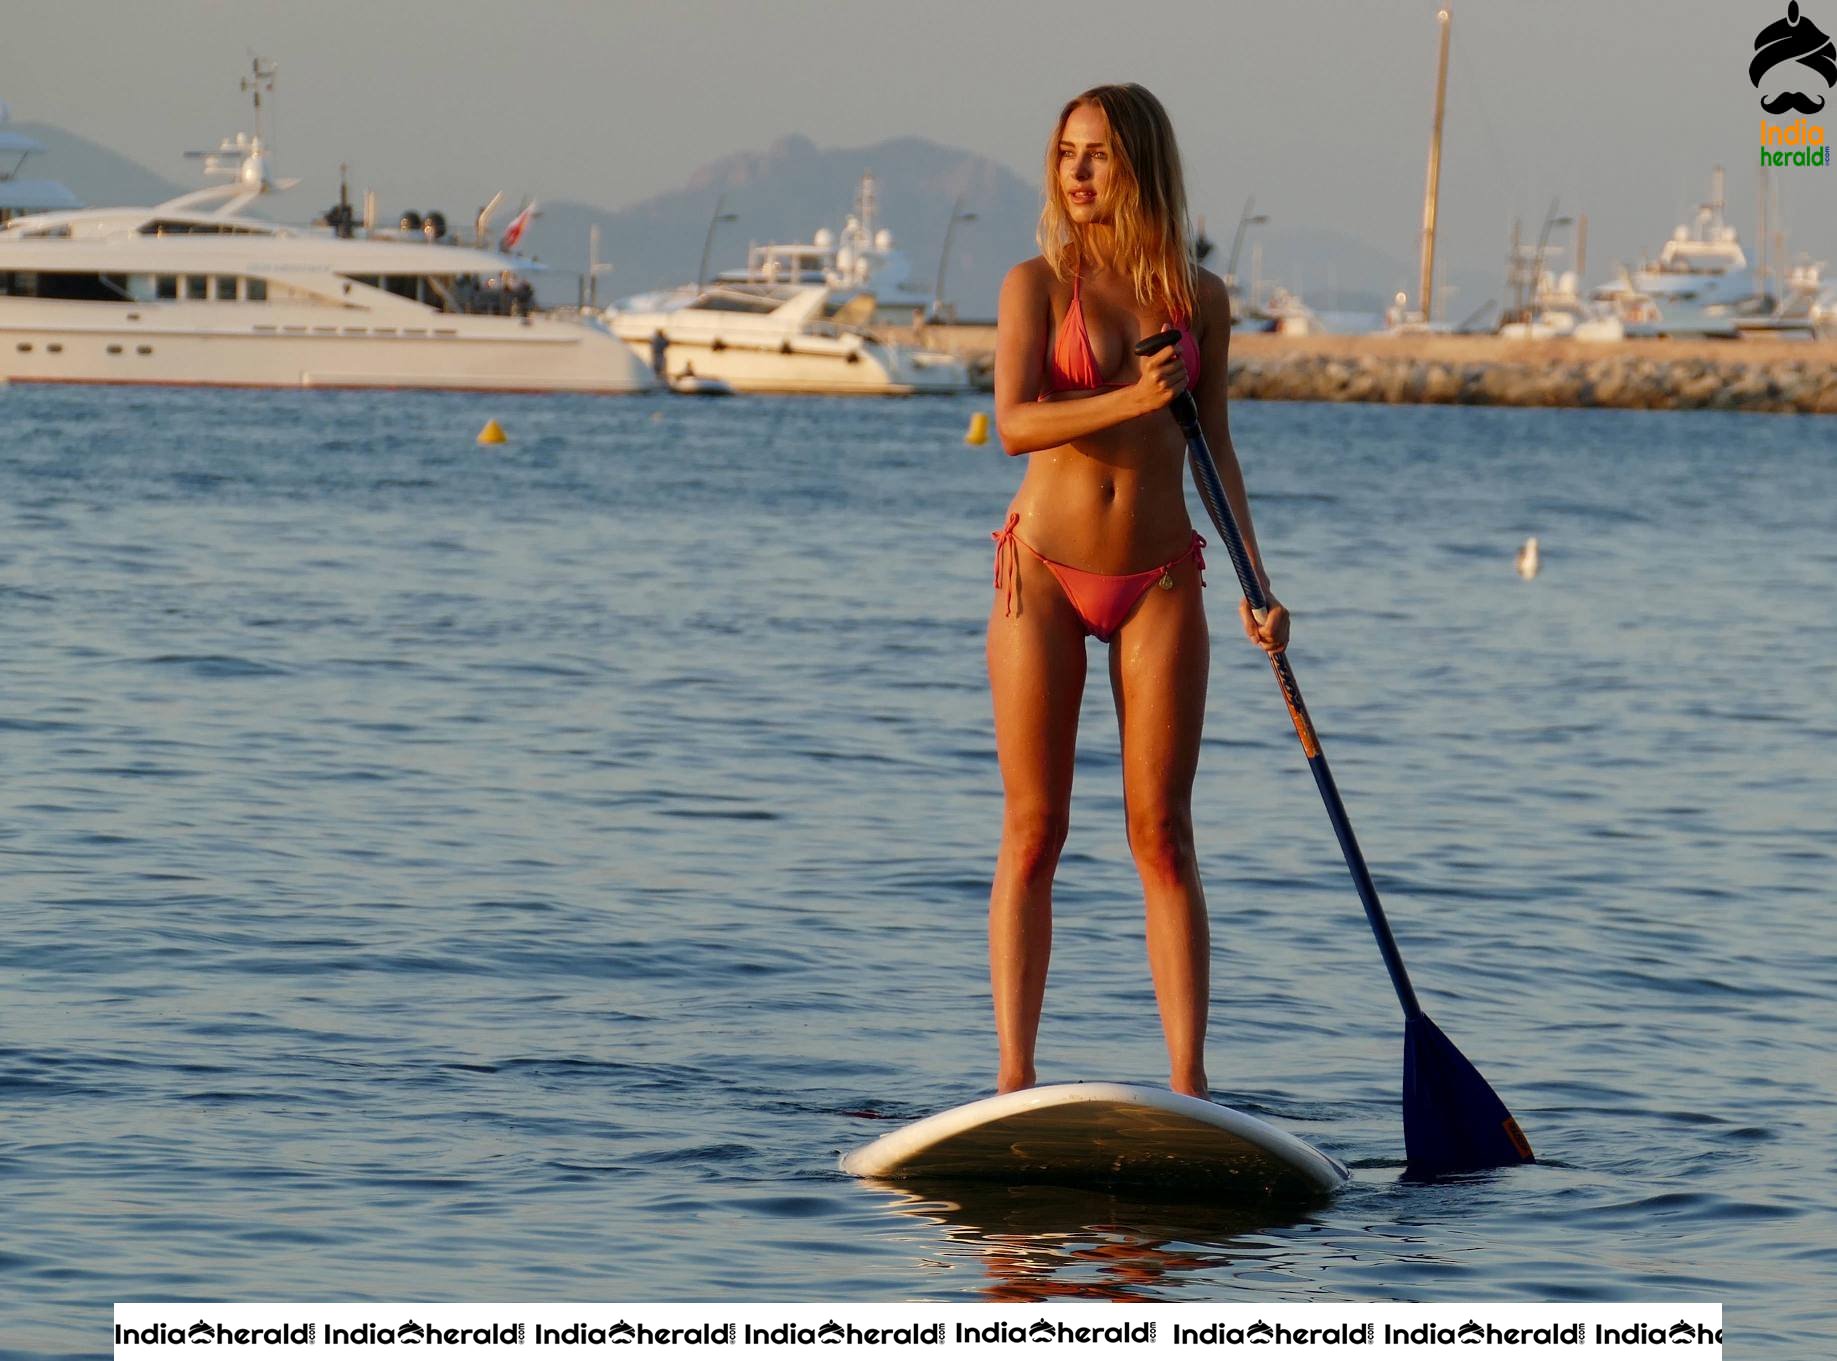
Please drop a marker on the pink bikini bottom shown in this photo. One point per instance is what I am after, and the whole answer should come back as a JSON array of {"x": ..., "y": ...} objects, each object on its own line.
[{"x": 1103, "y": 600}]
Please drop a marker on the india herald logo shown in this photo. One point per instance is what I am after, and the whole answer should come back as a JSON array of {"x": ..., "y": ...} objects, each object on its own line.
[{"x": 1793, "y": 39}]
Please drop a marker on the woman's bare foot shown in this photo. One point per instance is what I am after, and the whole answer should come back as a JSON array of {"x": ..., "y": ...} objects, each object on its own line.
[
  {"x": 1191, "y": 1084},
  {"x": 1020, "y": 1081}
]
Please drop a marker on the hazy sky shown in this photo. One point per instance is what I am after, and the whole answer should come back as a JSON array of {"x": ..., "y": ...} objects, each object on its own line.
[{"x": 1321, "y": 109}]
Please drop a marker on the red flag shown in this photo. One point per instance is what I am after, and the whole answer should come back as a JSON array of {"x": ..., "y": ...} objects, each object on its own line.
[{"x": 518, "y": 225}]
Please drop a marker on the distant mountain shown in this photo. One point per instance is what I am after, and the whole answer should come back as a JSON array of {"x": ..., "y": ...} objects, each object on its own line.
[
  {"x": 100, "y": 177},
  {"x": 784, "y": 194},
  {"x": 787, "y": 191}
]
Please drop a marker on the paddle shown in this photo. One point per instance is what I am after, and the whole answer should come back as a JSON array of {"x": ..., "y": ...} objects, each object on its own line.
[{"x": 1452, "y": 1119}]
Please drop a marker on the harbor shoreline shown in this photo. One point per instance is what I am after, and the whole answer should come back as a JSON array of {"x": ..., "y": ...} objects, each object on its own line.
[{"x": 1481, "y": 370}]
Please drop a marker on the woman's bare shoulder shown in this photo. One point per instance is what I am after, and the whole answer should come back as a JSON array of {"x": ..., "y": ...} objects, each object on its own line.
[
  {"x": 1030, "y": 276},
  {"x": 1214, "y": 297},
  {"x": 1027, "y": 288}
]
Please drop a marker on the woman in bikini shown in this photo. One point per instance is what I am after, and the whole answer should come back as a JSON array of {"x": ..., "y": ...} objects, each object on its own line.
[{"x": 1097, "y": 541}]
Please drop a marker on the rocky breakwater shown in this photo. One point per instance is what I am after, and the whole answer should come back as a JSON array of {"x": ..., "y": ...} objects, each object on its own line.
[{"x": 1728, "y": 375}]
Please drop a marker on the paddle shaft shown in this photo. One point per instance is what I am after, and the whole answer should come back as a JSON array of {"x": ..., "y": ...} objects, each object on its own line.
[{"x": 1218, "y": 506}]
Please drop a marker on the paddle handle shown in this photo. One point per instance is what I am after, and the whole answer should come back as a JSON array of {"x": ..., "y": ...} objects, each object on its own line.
[{"x": 1218, "y": 507}]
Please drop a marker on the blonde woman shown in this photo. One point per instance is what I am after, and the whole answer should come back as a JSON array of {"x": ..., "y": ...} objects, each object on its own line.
[{"x": 1097, "y": 542}]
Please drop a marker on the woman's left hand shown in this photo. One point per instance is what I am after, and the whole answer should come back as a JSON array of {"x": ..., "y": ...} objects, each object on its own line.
[{"x": 1272, "y": 634}]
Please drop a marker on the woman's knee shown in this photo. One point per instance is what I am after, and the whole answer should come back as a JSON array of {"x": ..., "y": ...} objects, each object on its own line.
[
  {"x": 1032, "y": 839},
  {"x": 1161, "y": 839}
]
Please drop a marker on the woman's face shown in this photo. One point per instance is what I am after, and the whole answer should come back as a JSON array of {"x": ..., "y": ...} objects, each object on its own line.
[{"x": 1085, "y": 161}]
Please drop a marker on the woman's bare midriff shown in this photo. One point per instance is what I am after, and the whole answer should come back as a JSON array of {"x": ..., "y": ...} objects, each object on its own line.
[{"x": 1110, "y": 502}]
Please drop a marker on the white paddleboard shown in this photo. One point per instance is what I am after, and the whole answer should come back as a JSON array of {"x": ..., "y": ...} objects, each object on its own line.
[{"x": 1102, "y": 1134}]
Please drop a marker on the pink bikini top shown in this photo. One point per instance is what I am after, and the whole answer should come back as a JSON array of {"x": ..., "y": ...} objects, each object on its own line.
[{"x": 1072, "y": 365}]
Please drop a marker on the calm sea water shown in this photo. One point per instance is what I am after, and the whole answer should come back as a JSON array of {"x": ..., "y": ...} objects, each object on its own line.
[{"x": 449, "y": 873}]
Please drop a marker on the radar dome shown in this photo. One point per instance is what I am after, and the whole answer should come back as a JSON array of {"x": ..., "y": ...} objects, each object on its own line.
[
  {"x": 825, "y": 238},
  {"x": 883, "y": 239}
]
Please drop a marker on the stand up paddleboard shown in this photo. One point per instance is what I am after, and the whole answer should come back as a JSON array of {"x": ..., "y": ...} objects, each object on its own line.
[{"x": 1103, "y": 1134}]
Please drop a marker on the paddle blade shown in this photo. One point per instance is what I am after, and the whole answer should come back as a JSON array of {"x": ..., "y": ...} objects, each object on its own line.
[{"x": 1452, "y": 1120}]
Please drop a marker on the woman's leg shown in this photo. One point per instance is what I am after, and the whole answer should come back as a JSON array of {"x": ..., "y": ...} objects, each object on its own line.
[
  {"x": 1036, "y": 677},
  {"x": 1159, "y": 660}
]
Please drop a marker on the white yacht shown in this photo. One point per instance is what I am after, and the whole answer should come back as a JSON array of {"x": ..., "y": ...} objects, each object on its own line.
[
  {"x": 1286, "y": 314},
  {"x": 195, "y": 292},
  {"x": 1804, "y": 309},
  {"x": 860, "y": 259},
  {"x": 1559, "y": 312},
  {"x": 19, "y": 196},
  {"x": 1701, "y": 283},
  {"x": 755, "y": 338}
]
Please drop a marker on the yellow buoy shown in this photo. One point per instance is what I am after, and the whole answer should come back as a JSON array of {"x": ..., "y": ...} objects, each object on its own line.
[
  {"x": 493, "y": 433},
  {"x": 978, "y": 433}
]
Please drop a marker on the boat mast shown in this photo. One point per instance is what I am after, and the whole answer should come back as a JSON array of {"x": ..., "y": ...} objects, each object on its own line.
[
  {"x": 260, "y": 78},
  {"x": 701, "y": 274},
  {"x": 1425, "y": 299}
]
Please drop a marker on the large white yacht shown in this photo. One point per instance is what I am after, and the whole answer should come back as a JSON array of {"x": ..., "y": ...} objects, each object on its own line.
[
  {"x": 195, "y": 292},
  {"x": 758, "y": 338},
  {"x": 861, "y": 258},
  {"x": 1700, "y": 285}
]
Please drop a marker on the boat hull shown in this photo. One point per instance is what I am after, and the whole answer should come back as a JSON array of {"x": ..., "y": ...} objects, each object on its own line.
[
  {"x": 85, "y": 342},
  {"x": 876, "y": 371}
]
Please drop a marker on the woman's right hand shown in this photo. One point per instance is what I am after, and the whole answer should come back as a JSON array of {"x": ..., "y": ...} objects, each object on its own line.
[{"x": 1164, "y": 377}]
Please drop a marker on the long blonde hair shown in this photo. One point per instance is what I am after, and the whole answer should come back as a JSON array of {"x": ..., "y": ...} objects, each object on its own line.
[{"x": 1147, "y": 200}]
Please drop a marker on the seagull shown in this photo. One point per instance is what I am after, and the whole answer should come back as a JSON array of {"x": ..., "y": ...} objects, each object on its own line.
[{"x": 1526, "y": 563}]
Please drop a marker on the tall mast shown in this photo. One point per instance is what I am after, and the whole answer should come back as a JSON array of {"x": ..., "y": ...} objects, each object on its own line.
[{"x": 1426, "y": 298}]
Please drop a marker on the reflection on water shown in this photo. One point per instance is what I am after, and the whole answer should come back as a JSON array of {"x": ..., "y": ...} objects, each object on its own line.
[
  {"x": 426, "y": 868},
  {"x": 1039, "y": 1242}
]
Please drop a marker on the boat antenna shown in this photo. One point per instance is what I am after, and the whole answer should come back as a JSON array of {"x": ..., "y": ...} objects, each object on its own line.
[
  {"x": 595, "y": 267},
  {"x": 701, "y": 274},
  {"x": 345, "y": 217},
  {"x": 242, "y": 158},
  {"x": 482, "y": 223},
  {"x": 937, "y": 293},
  {"x": 1245, "y": 221},
  {"x": 259, "y": 80}
]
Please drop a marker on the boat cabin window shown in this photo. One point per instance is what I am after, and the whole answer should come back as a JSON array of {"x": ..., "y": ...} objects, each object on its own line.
[
  {"x": 196, "y": 287},
  {"x": 168, "y": 227},
  {"x": 64, "y": 287},
  {"x": 453, "y": 293},
  {"x": 736, "y": 302}
]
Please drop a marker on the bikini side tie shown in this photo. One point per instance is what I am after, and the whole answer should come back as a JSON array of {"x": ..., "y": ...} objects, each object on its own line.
[{"x": 1004, "y": 544}]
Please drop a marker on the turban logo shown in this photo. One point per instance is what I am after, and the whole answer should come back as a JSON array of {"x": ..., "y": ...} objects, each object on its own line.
[{"x": 1794, "y": 38}]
